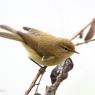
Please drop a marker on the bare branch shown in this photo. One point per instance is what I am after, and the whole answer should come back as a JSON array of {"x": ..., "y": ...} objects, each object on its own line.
[
  {"x": 85, "y": 42},
  {"x": 59, "y": 74},
  {"x": 38, "y": 84},
  {"x": 40, "y": 72},
  {"x": 82, "y": 30}
]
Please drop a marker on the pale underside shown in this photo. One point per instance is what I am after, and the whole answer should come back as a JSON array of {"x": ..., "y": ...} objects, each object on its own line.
[{"x": 47, "y": 62}]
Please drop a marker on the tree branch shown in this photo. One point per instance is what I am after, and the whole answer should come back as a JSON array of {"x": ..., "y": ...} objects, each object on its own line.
[
  {"x": 85, "y": 42},
  {"x": 59, "y": 74},
  {"x": 82, "y": 30},
  {"x": 40, "y": 72}
]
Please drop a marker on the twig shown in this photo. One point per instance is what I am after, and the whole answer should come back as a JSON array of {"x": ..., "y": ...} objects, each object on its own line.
[
  {"x": 40, "y": 72},
  {"x": 38, "y": 84},
  {"x": 85, "y": 42},
  {"x": 82, "y": 30}
]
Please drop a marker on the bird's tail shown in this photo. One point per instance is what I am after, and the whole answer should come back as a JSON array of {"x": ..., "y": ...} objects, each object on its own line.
[
  {"x": 5, "y": 27},
  {"x": 12, "y": 34}
]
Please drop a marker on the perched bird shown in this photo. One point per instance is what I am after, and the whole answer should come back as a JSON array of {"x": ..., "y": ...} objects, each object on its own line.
[{"x": 43, "y": 48}]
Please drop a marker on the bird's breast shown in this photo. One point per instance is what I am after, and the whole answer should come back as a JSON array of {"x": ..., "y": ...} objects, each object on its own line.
[{"x": 35, "y": 56}]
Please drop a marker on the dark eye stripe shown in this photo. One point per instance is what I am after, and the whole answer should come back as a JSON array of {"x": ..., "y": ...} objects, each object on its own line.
[{"x": 65, "y": 48}]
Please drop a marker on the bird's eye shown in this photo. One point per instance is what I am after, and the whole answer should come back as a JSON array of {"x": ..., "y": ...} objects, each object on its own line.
[{"x": 65, "y": 48}]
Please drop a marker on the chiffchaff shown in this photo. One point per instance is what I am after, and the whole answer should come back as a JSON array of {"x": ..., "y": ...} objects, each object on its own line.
[{"x": 43, "y": 48}]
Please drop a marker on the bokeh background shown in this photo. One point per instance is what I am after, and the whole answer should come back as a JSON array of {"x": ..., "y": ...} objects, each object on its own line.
[{"x": 62, "y": 18}]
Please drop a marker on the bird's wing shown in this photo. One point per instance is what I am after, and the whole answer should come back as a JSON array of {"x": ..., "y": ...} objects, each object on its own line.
[{"x": 41, "y": 42}]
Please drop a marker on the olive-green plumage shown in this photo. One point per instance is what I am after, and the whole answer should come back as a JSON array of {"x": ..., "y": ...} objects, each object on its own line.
[{"x": 42, "y": 47}]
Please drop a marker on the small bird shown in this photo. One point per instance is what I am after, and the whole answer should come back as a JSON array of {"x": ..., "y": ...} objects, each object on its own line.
[{"x": 43, "y": 48}]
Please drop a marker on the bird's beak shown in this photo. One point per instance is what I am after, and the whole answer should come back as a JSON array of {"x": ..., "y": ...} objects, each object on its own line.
[{"x": 76, "y": 52}]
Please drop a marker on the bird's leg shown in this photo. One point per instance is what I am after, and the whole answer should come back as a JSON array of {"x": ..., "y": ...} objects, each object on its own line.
[
  {"x": 42, "y": 70},
  {"x": 37, "y": 63}
]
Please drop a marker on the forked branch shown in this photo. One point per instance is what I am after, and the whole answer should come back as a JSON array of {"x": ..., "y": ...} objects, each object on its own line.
[{"x": 81, "y": 31}]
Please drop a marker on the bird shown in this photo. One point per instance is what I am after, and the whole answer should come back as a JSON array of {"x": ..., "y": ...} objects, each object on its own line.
[{"x": 44, "y": 48}]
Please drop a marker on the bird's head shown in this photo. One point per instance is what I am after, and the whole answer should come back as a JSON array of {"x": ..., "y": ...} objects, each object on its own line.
[{"x": 65, "y": 48}]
